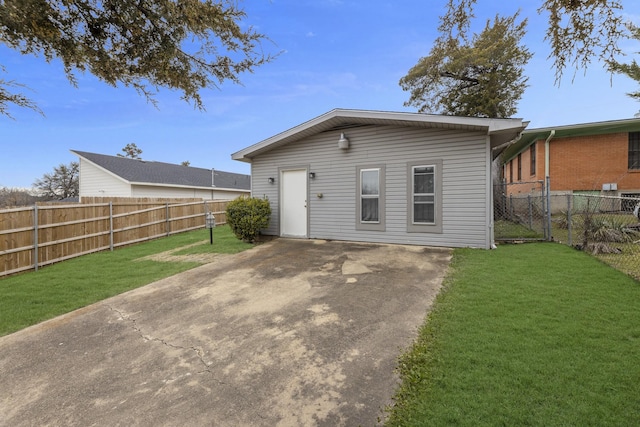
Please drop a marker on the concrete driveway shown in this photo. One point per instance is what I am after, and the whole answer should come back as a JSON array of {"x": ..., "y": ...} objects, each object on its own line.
[{"x": 290, "y": 333}]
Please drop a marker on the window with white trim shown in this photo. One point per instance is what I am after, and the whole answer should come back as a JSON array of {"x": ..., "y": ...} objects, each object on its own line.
[
  {"x": 370, "y": 195},
  {"x": 424, "y": 194},
  {"x": 424, "y": 197},
  {"x": 370, "y": 210}
]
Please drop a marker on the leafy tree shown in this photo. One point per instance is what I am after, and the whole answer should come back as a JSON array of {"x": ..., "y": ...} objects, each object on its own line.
[
  {"x": 481, "y": 77},
  {"x": 186, "y": 45},
  {"x": 631, "y": 69},
  {"x": 61, "y": 184},
  {"x": 131, "y": 150},
  {"x": 578, "y": 31},
  {"x": 186, "y": 163}
]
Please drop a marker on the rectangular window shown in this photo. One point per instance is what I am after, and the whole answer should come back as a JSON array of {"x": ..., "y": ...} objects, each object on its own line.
[
  {"x": 370, "y": 195},
  {"x": 532, "y": 155},
  {"x": 511, "y": 171},
  {"x": 520, "y": 167},
  {"x": 634, "y": 150},
  {"x": 424, "y": 194}
]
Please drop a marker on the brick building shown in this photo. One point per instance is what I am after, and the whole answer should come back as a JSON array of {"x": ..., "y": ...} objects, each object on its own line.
[{"x": 589, "y": 158}]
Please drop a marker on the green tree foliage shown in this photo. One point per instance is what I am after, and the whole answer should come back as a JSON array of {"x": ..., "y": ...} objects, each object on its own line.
[
  {"x": 131, "y": 151},
  {"x": 631, "y": 69},
  {"x": 481, "y": 77},
  {"x": 62, "y": 183},
  {"x": 186, "y": 45},
  {"x": 578, "y": 31},
  {"x": 247, "y": 216}
]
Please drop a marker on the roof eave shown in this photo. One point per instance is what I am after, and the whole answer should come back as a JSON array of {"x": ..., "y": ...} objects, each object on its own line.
[
  {"x": 595, "y": 128},
  {"x": 102, "y": 168},
  {"x": 192, "y": 187},
  {"x": 338, "y": 117}
]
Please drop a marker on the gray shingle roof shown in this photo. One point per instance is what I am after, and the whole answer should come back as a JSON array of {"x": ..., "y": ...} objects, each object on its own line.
[{"x": 144, "y": 171}]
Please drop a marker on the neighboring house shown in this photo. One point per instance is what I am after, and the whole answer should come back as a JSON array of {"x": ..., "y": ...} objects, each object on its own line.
[
  {"x": 113, "y": 176},
  {"x": 377, "y": 176},
  {"x": 590, "y": 158}
]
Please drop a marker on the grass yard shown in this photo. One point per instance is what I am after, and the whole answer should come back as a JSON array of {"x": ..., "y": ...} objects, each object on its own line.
[
  {"x": 30, "y": 298},
  {"x": 511, "y": 230},
  {"x": 537, "y": 334}
]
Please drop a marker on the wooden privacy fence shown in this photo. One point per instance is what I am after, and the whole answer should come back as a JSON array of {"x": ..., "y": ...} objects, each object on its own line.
[{"x": 39, "y": 235}]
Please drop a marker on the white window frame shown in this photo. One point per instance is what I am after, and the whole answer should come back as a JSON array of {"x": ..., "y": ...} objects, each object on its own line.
[
  {"x": 378, "y": 225},
  {"x": 414, "y": 195},
  {"x": 425, "y": 227}
]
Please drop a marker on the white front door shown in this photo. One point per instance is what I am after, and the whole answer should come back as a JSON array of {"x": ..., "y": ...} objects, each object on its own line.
[{"x": 293, "y": 212}]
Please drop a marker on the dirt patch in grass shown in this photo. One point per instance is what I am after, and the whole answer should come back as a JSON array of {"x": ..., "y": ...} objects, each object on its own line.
[{"x": 170, "y": 255}]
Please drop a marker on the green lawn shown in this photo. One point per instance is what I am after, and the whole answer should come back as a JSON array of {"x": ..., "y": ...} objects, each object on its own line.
[
  {"x": 526, "y": 335},
  {"x": 32, "y": 297}
]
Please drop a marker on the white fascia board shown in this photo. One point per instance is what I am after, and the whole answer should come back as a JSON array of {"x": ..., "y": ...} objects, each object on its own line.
[
  {"x": 191, "y": 187},
  {"x": 101, "y": 168},
  {"x": 342, "y": 116}
]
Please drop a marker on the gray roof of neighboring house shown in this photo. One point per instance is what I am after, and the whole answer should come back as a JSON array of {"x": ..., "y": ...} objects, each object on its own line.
[{"x": 137, "y": 171}]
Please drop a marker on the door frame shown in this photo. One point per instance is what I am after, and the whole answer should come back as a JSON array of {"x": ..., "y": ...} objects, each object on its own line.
[{"x": 281, "y": 171}]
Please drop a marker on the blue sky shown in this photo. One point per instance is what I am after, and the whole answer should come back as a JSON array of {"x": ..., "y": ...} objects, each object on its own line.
[{"x": 334, "y": 54}]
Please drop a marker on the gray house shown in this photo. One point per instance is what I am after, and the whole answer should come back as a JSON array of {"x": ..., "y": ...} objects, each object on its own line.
[
  {"x": 113, "y": 176},
  {"x": 387, "y": 177}
]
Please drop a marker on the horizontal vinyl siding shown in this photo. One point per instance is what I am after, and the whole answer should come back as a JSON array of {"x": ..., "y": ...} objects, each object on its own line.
[
  {"x": 464, "y": 157},
  {"x": 95, "y": 182}
]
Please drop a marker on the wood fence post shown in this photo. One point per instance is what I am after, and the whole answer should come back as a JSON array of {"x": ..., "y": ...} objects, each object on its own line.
[
  {"x": 168, "y": 228},
  {"x": 111, "y": 226}
]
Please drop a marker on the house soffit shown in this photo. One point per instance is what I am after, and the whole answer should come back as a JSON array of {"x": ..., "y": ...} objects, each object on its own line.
[
  {"x": 587, "y": 129},
  {"x": 337, "y": 120}
]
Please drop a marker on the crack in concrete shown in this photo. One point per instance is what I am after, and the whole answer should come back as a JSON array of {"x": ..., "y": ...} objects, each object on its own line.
[{"x": 198, "y": 351}]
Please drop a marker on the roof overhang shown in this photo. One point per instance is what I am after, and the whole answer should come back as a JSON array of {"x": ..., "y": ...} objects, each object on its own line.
[
  {"x": 188, "y": 187},
  {"x": 595, "y": 128},
  {"x": 500, "y": 131},
  {"x": 103, "y": 169}
]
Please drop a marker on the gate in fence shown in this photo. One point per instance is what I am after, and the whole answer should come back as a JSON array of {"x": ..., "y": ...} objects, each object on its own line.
[
  {"x": 520, "y": 211},
  {"x": 607, "y": 227}
]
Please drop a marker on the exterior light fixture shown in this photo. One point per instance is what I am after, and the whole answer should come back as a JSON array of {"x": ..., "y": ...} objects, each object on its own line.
[
  {"x": 312, "y": 175},
  {"x": 271, "y": 180},
  {"x": 343, "y": 142}
]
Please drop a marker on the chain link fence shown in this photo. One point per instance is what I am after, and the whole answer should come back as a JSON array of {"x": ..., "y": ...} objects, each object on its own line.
[
  {"x": 520, "y": 211},
  {"x": 607, "y": 227}
]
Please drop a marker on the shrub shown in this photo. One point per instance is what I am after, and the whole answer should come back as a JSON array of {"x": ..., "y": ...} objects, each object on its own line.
[{"x": 247, "y": 216}]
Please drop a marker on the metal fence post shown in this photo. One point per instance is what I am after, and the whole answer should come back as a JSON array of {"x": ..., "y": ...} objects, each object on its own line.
[
  {"x": 570, "y": 238},
  {"x": 35, "y": 237},
  {"x": 549, "y": 237},
  {"x": 511, "y": 207},
  {"x": 530, "y": 211}
]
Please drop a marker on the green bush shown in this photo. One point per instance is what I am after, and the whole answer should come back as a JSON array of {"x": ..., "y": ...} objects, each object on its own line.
[{"x": 247, "y": 216}]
